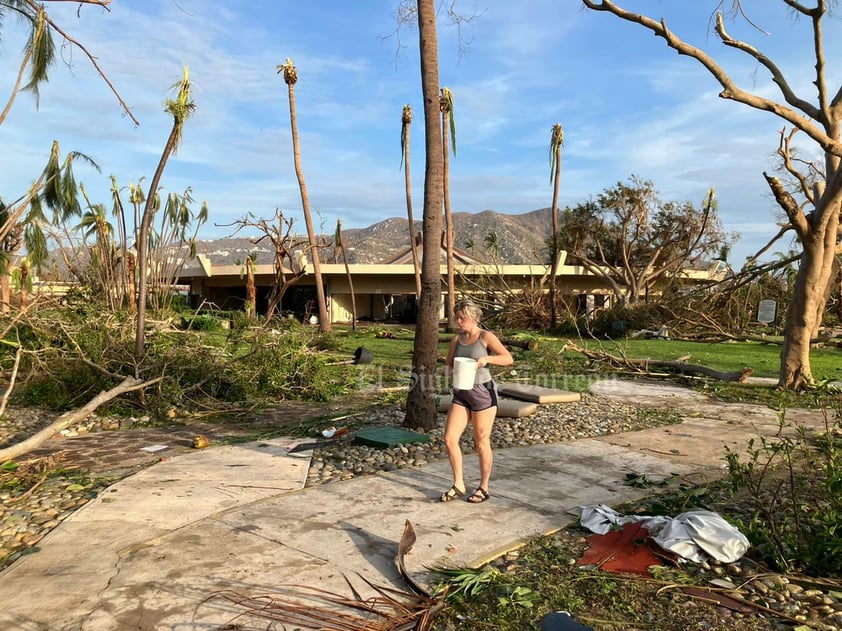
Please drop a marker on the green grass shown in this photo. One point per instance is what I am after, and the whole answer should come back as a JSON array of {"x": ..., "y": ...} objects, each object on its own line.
[
  {"x": 764, "y": 359},
  {"x": 393, "y": 360}
]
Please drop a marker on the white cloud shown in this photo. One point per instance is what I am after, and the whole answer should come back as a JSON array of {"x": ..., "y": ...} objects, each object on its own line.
[{"x": 629, "y": 105}]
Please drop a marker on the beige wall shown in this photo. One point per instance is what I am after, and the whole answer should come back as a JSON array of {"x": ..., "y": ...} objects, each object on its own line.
[{"x": 374, "y": 282}]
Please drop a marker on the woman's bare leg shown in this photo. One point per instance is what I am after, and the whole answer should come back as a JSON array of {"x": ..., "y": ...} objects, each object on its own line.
[
  {"x": 457, "y": 420},
  {"x": 482, "y": 422}
]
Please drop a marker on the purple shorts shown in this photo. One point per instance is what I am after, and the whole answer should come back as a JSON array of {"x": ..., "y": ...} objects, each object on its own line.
[{"x": 481, "y": 397}]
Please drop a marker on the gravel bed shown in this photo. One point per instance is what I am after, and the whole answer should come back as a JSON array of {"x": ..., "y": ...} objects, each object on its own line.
[
  {"x": 26, "y": 518},
  {"x": 553, "y": 423}
]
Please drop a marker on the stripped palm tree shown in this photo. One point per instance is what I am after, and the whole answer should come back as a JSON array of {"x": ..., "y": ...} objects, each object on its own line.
[
  {"x": 291, "y": 78},
  {"x": 180, "y": 108},
  {"x": 341, "y": 246},
  {"x": 406, "y": 121},
  {"x": 556, "y": 142},
  {"x": 448, "y": 127},
  {"x": 251, "y": 289}
]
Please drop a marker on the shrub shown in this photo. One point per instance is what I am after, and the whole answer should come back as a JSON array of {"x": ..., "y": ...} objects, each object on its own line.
[
  {"x": 76, "y": 353},
  {"x": 794, "y": 486},
  {"x": 619, "y": 321}
]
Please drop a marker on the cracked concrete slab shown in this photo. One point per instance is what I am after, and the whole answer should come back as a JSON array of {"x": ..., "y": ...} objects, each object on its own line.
[{"x": 157, "y": 549}]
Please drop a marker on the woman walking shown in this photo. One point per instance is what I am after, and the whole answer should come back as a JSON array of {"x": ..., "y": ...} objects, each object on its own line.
[{"x": 477, "y": 405}]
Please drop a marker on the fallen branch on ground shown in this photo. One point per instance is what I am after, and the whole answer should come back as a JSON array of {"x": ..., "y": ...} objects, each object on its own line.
[
  {"x": 129, "y": 384},
  {"x": 643, "y": 365}
]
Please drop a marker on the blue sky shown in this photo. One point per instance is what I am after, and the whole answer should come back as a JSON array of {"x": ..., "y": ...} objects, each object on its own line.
[{"x": 628, "y": 104}]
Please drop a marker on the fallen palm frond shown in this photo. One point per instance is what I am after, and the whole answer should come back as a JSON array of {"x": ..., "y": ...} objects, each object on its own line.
[
  {"x": 389, "y": 609},
  {"x": 313, "y": 608}
]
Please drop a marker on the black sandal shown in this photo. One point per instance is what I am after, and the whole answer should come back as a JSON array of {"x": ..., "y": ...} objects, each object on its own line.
[
  {"x": 478, "y": 496},
  {"x": 451, "y": 494}
]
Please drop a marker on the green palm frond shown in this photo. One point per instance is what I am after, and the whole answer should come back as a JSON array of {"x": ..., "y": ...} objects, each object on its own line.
[
  {"x": 69, "y": 206},
  {"x": 36, "y": 244},
  {"x": 52, "y": 178},
  {"x": 182, "y": 106},
  {"x": 41, "y": 48},
  {"x": 61, "y": 192},
  {"x": 94, "y": 222},
  {"x": 136, "y": 194}
]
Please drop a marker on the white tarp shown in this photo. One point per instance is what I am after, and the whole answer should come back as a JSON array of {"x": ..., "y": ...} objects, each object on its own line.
[{"x": 691, "y": 535}]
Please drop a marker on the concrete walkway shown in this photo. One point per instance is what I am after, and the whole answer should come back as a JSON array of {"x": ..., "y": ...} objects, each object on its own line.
[{"x": 152, "y": 550}]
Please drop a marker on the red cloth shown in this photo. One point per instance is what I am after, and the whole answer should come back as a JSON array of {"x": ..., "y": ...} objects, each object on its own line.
[{"x": 622, "y": 550}]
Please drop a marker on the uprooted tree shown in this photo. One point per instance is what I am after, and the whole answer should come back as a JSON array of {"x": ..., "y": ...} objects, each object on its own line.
[
  {"x": 811, "y": 192},
  {"x": 634, "y": 241}
]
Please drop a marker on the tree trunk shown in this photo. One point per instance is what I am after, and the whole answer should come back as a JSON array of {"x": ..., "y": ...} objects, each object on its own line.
[
  {"x": 324, "y": 318},
  {"x": 832, "y": 284},
  {"x": 5, "y": 293},
  {"x": 24, "y": 291},
  {"x": 420, "y": 402},
  {"x": 131, "y": 271},
  {"x": 341, "y": 245},
  {"x": 143, "y": 245},
  {"x": 407, "y": 120},
  {"x": 251, "y": 290},
  {"x": 803, "y": 315},
  {"x": 556, "y": 142},
  {"x": 448, "y": 225}
]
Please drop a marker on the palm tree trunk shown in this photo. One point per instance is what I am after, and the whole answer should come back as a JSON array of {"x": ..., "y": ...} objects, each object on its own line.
[
  {"x": 131, "y": 271},
  {"x": 143, "y": 246},
  {"x": 180, "y": 108},
  {"x": 5, "y": 294},
  {"x": 251, "y": 291},
  {"x": 341, "y": 245},
  {"x": 556, "y": 142},
  {"x": 420, "y": 402},
  {"x": 407, "y": 120},
  {"x": 290, "y": 76},
  {"x": 24, "y": 291},
  {"x": 448, "y": 223}
]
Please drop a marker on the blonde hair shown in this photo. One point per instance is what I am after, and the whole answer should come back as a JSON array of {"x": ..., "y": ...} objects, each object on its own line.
[{"x": 469, "y": 308}]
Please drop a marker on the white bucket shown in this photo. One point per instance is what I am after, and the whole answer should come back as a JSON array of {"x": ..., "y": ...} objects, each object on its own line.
[{"x": 464, "y": 373}]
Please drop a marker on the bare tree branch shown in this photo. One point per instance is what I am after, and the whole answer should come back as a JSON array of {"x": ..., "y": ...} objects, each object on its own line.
[
  {"x": 730, "y": 90},
  {"x": 129, "y": 384}
]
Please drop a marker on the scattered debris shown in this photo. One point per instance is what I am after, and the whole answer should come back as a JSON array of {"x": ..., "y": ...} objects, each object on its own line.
[
  {"x": 361, "y": 356},
  {"x": 313, "y": 608},
  {"x": 692, "y": 535},
  {"x": 625, "y": 550},
  {"x": 642, "y": 366},
  {"x": 333, "y": 432},
  {"x": 561, "y": 621},
  {"x": 200, "y": 442},
  {"x": 154, "y": 448}
]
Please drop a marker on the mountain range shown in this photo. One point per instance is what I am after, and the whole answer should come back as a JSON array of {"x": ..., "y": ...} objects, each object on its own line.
[{"x": 520, "y": 239}]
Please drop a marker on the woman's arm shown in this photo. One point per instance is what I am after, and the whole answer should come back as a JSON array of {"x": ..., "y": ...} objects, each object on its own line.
[
  {"x": 448, "y": 363},
  {"x": 498, "y": 354}
]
